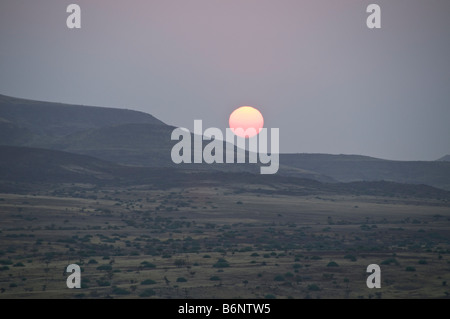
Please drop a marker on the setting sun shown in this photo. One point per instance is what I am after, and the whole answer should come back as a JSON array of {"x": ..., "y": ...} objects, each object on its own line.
[{"x": 246, "y": 121}]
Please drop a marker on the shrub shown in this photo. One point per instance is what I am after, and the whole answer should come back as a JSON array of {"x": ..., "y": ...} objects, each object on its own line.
[
  {"x": 92, "y": 261},
  {"x": 270, "y": 296},
  {"x": 181, "y": 279},
  {"x": 6, "y": 262},
  {"x": 215, "y": 278},
  {"x": 221, "y": 264},
  {"x": 410, "y": 268},
  {"x": 313, "y": 287},
  {"x": 19, "y": 264},
  {"x": 120, "y": 291},
  {"x": 147, "y": 293},
  {"x": 332, "y": 264},
  {"x": 279, "y": 278},
  {"x": 350, "y": 257},
  {"x": 423, "y": 262},
  {"x": 180, "y": 263},
  {"x": 104, "y": 267},
  {"x": 103, "y": 283},
  {"x": 148, "y": 282},
  {"x": 146, "y": 264},
  {"x": 389, "y": 261}
]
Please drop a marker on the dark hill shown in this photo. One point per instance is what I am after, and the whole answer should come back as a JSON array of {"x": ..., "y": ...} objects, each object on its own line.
[
  {"x": 136, "y": 138},
  {"x": 446, "y": 158},
  {"x": 56, "y": 119},
  {"x": 129, "y": 144},
  {"x": 23, "y": 164},
  {"x": 351, "y": 168},
  {"x": 22, "y": 167}
]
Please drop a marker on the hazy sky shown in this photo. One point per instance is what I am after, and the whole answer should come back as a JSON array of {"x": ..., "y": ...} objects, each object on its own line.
[{"x": 312, "y": 67}]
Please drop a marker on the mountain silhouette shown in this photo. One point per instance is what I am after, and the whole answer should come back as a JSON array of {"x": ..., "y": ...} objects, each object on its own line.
[
  {"x": 135, "y": 138},
  {"x": 445, "y": 158},
  {"x": 25, "y": 169}
]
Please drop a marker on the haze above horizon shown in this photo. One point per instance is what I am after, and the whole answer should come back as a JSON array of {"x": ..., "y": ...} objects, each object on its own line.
[{"x": 312, "y": 68}]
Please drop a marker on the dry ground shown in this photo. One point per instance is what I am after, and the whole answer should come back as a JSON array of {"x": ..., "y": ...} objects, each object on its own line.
[{"x": 214, "y": 242}]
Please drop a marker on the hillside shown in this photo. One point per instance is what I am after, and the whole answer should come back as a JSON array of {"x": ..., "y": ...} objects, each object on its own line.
[
  {"x": 351, "y": 168},
  {"x": 22, "y": 168},
  {"x": 50, "y": 119},
  {"x": 446, "y": 158},
  {"x": 138, "y": 139},
  {"x": 23, "y": 164}
]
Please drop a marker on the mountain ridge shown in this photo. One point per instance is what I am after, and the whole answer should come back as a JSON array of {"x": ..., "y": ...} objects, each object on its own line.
[
  {"x": 445, "y": 158},
  {"x": 51, "y": 118},
  {"x": 25, "y": 168},
  {"x": 138, "y": 139}
]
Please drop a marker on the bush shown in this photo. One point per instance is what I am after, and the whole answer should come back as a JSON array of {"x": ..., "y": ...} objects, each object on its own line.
[
  {"x": 332, "y": 264},
  {"x": 92, "y": 261},
  {"x": 221, "y": 264},
  {"x": 120, "y": 291},
  {"x": 148, "y": 282},
  {"x": 6, "y": 262},
  {"x": 423, "y": 262},
  {"x": 180, "y": 263},
  {"x": 410, "y": 268},
  {"x": 181, "y": 279},
  {"x": 147, "y": 293},
  {"x": 313, "y": 287},
  {"x": 3, "y": 268},
  {"x": 270, "y": 296},
  {"x": 102, "y": 283},
  {"x": 215, "y": 278},
  {"x": 146, "y": 264},
  {"x": 350, "y": 257},
  {"x": 206, "y": 256},
  {"x": 389, "y": 261},
  {"x": 12, "y": 285},
  {"x": 19, "y": 264},
  {"x": 104, "y": 267},
  {"x": 279, "y": 278}
]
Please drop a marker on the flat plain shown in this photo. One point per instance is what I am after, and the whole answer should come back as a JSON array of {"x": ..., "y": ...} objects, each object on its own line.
[{"x": 209, "y": 241}]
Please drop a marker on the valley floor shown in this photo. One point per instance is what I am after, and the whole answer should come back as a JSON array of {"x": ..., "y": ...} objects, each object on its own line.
[{"x": 219, "y": 242}]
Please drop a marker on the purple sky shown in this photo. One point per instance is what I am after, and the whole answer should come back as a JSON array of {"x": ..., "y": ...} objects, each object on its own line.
[{"x": 311, "y": 67}]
